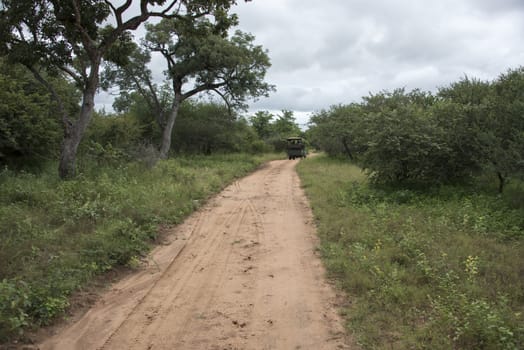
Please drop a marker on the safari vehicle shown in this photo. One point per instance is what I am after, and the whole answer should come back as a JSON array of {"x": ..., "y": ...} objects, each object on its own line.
[{"x": 295, "y": 148}]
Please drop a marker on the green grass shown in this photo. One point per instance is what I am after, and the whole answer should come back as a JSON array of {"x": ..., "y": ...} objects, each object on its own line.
[
  {"x": 57, "y": 235},
  {"x": 436, "y": 269}
]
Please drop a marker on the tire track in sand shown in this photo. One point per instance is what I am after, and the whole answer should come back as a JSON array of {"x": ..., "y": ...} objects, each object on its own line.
[{"x": 240, "y": 274}]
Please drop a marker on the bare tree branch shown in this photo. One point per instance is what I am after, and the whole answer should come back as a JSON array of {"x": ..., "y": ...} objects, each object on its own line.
[
  {"x": 89, "y": 43},
  {"x": 225, "y": 99},
  {"x": 78, "y": 79},
  {"x": 152, "y": 89},
  {"x": 203, "y": 87},
  {"x": 112, "y": 7},
  {"x": 118, "y": 12},
  {"x": 171, "y": 6},
  {"x": 56, "y": 97}
]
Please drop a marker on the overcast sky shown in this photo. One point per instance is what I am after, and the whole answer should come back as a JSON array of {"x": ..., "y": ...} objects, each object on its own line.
[{"x": 336, "y": 51}]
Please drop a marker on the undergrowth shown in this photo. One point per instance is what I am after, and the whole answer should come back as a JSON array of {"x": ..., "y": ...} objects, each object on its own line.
[
  {"x": 57, "y": 235},
  {"x": 440, "y": 268}
]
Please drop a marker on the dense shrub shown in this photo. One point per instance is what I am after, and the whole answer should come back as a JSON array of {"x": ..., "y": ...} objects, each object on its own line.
[
  {"x": 111, "y": 139},
  {"x": 407, "y": 138},
  {"x": 30, "y": 131}
]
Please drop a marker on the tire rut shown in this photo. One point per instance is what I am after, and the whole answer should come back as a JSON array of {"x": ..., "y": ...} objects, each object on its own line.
[{"x": 240, "y": 274}]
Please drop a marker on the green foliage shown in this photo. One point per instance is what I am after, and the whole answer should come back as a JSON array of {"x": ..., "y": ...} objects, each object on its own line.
[
  {"x": 433, "y": 269},
  {"x": 505, "y": 126},
  {"x": 402, "y": 144},
  {"x": 202, "y": 128},
  {"x": 139, "y": 95},
  {"x": 13, "y": 305},
  {"x": 261, "y": 122},
  {"x": 338, "y": 130},
  {"x": 274, "y": 130},
  {"x": 201, "y": 50},
  {"x": 29, "y": 131},
  {"x": 75, "y": 37},
  {"x": 56, "y": 236},
  {"x": 208, "y": 128},
  {"x": 112, "y": 138},
  {"x": 414, "y": 137},
  {"x": 472, "y": 322},
  {"x": 283, "y": 127},
  {"x": 149, "y": 118}
]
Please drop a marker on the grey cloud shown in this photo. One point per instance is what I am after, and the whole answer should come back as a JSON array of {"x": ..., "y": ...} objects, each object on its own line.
[
  {"x": 329, "y": 52},
  {"x": 499, "y": 6}
]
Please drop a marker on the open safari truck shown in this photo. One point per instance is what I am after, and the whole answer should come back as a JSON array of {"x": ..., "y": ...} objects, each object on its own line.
[{"x": 295, "y": 148}]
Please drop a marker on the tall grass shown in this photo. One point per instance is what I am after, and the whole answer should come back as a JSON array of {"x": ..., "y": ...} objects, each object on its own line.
[
  {"x": 440, "y": 268},
  {"x": 56, "y": 236}
]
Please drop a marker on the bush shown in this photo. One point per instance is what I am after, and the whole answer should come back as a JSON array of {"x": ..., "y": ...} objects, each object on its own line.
[
  {"x": 28, "y": 130},
  {"x": 111, "y": 139},
  {"x": 14, "y": 301},
  {"x": 416, "y": 138}
]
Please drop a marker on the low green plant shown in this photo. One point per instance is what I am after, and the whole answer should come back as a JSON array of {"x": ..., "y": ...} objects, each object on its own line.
[
  {"x": 14, "y": 302},
  {"x": 436, "y": 268},
  {"x": 57, "y": 235}
]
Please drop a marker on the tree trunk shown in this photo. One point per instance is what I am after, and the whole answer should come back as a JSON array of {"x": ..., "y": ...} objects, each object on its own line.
[
  {"x": 168, "y": 130},
  {"x": 346, "y": 148},
  {"x": 73, "y": 133},
  {"x": 66, "y": 167},
  {"x": 502, "y": 181}
]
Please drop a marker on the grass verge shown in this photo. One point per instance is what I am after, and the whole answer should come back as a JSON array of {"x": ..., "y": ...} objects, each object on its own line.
[
  {"x": 436, "y": 269},
  {"x": 57, "y": 235}
]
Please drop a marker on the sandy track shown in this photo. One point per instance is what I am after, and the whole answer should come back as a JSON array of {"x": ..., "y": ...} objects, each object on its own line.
[{"x": 241, "y": 273}]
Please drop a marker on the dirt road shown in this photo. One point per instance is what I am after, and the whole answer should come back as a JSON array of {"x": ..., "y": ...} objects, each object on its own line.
[{"x": 241, "y": 273}]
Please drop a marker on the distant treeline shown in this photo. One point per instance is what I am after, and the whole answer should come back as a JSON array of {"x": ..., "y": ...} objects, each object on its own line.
[
  {"x": 468, "y": 128},
  {"x": 30, "y": 130}
]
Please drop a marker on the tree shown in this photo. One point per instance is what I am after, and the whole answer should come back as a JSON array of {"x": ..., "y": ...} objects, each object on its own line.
[
  {"x": 24, "y": 119},
  {"x": 461, "y": 112},
  {"x": 73, "y": 37},
  {"x": 285, "y": 125},
  {"x": 505, "y": 126},
  {"x": 261, "y": 122},
  {"x": 134, "y": 77},
  {"x": 201, "y": 52},
  {"x": 338, "y": 130},
  {"x": 29, "y": 129},
  {"x": 281, "y": 128},
  {"x": 403, "y": 144},
  {"x": 208, "y": 127}
]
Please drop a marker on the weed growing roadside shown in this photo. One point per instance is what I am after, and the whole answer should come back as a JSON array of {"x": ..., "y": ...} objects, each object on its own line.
[
  {"x": 435, "y": 269},
  {"x": 56, "y": 235}
]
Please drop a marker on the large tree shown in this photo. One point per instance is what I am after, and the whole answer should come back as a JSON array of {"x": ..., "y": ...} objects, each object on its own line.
[
  {"x": 461, "y": 111},
  {"x": 135, "y": 81},
  {"x": 338, "y": 130},
  {"x": 200, "y": 56},
  {"x": 74, "y": 36},
  {"x": 261, "y": 122},
  {"x": 208, "y": 127}
]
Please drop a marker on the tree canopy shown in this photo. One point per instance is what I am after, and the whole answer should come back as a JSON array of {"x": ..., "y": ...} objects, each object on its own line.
[
  {"x": 468, "y": 127},
  {"x": 29, "y": 127},
  {"x": 74, "y": 37},
  {"x": 200, "y": 56}
]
